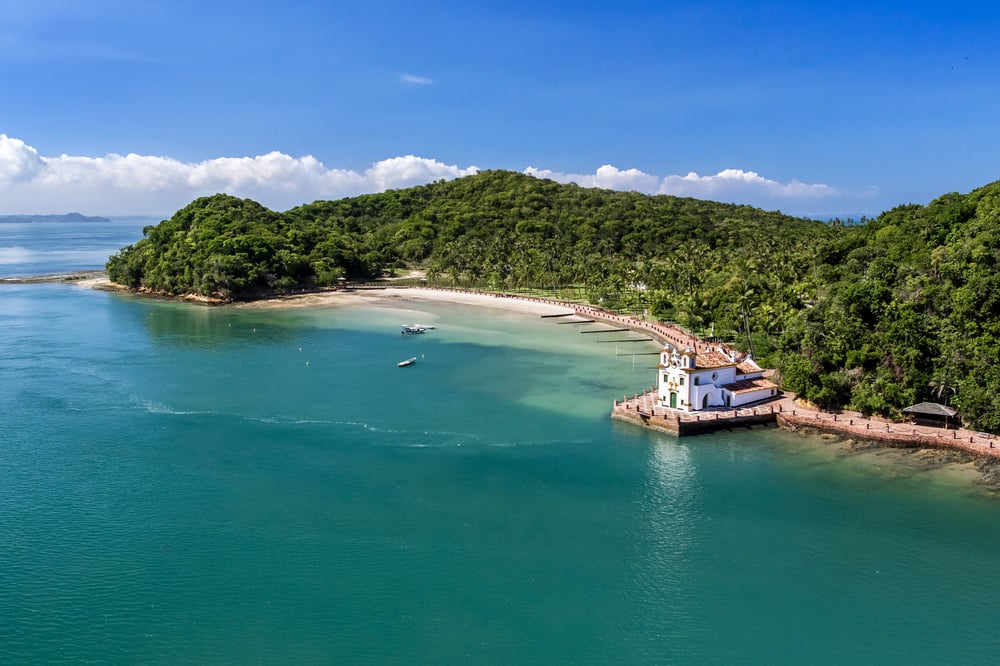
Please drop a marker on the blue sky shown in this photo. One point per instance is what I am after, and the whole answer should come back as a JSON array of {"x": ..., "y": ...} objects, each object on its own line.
[{"x": 129, "y": 107}]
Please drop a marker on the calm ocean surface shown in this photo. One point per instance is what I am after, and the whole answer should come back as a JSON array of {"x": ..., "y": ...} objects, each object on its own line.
[
  {"x": 189, "y": 485},
  {"x": 41, "y": 248}
]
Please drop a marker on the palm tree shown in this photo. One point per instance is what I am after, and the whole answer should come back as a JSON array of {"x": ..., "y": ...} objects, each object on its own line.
[{"x": 941, "y": 388}]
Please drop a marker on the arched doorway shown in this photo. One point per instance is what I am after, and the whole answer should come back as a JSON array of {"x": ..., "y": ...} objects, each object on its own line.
[
  {"x": 704, "y": 402},
  {"x": 673, "y": 400}
]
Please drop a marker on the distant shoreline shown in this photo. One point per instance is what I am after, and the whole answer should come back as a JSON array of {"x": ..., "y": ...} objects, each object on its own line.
[
  {"x": 84, "y": 278},
  {"x": 38, "y": 219}
]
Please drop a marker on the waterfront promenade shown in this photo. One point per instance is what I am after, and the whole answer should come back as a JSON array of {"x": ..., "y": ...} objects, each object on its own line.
[{"x": 644, "y": 409}]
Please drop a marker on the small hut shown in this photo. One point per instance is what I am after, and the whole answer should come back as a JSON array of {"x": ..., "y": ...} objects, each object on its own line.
[{"x": 932, "y": 413}]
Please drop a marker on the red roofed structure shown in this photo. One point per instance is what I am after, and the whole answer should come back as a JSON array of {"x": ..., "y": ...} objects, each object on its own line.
[{"x": 711, "y": 377}]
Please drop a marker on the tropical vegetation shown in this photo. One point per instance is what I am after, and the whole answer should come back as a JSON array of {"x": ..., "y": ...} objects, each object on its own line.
[{"x": 871, "y": 315}]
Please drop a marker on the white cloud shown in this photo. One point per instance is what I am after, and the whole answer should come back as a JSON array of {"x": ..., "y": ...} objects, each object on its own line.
[
  {"x": 415, "y": 80},
  {"x": 733, "y": 185},
  {"x": 18, "y": 161},
  {"x": 149, "y": 184},
  {"x": 607, "y": 177},
  {"x": 411, "y": 170},
  {"x": 735, "y": 182}
]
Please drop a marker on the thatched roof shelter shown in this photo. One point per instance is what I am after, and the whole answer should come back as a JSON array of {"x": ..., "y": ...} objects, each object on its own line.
[{"x": 931, "y": 412}]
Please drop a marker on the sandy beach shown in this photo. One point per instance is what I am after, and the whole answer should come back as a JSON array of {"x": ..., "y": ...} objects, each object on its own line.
[
  {"x": 341, "y": 298},
  {"x": 390, "y": 295}
]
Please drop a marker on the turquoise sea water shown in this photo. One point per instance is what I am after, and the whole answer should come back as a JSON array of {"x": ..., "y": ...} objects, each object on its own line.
[{"x": 195, "y": 485}]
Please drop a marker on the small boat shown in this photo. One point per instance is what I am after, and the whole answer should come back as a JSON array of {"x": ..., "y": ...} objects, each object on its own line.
[
  {"x": 409, "y": 361},
  {"x": 410, "y": 330}
]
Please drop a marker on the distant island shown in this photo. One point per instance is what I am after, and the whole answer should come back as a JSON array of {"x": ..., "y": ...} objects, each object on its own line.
[
  {"x": 872, "y": 316},
  {"x": 67, "y": 217}
]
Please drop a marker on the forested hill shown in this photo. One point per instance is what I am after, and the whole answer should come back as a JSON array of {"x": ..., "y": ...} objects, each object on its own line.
[
  {"x": 907, "y": 309},
  {"x": 497, "y": 228},
  {"x": 875, "y": 317}
]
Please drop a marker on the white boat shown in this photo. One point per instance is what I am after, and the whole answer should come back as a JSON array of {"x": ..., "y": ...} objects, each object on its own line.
[
  {"x": 410, "y": 330},
  {"x": 409, "y": 361}
]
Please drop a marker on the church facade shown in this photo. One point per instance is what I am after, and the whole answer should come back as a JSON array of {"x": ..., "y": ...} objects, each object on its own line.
[{"x": 715, "y": 377}]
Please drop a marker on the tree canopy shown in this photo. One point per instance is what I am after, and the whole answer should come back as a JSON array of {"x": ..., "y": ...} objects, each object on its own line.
[{"x": 908, "y": 310}]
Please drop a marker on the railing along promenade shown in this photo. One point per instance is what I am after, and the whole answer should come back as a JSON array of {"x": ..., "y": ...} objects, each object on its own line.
[
  {"x": 888, "y": 433},
  {"x": 660, "y": 331}
]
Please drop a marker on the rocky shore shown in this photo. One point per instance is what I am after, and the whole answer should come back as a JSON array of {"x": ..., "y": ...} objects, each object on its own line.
[{"x": 983, "y": 471}]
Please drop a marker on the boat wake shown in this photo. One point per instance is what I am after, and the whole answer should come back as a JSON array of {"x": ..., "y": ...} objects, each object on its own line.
[
  {"x": 378, "y": 435},
  {"x": 154, "y": 407}
]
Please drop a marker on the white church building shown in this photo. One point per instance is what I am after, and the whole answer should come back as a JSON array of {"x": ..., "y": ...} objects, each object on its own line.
[{"x": 716, "y": 377}]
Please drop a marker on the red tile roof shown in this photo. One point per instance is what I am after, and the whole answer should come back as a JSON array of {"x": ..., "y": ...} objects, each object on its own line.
[
  {"x": 747, "y": 385},
  {"x": 712, "y": 359}
]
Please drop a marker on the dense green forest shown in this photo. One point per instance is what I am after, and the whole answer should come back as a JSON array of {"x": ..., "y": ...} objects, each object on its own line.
[{"x": 871, "y": 316}]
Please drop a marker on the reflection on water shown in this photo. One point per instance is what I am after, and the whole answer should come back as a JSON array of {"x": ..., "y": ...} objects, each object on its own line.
[{"x": 672, "y": 497}]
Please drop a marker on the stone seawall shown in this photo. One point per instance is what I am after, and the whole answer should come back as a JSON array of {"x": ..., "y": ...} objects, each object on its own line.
[{"x": 644, "y": 410}]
